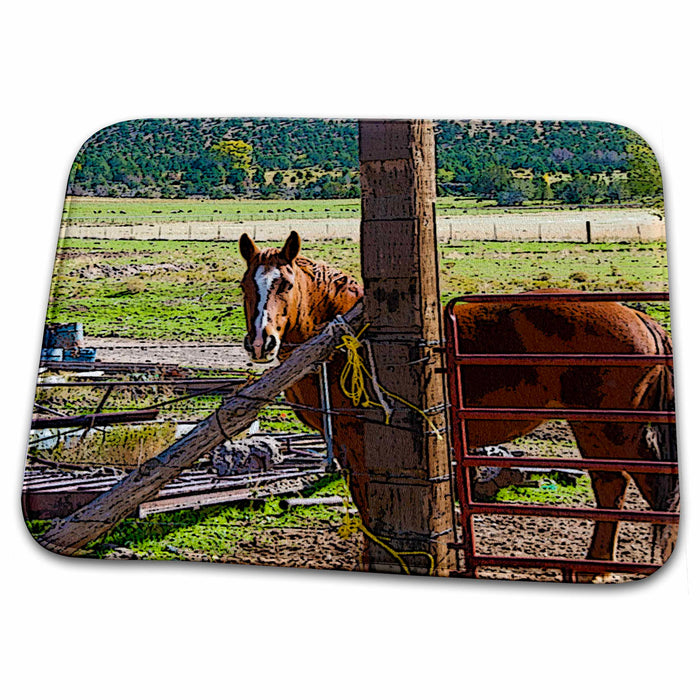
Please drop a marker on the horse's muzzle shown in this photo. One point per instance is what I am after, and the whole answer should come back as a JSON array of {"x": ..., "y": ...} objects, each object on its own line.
[{"x": 263, "y": 349}]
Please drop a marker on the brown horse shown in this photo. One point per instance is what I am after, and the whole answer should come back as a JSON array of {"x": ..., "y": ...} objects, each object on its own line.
[{"x": 289, "y": 297}]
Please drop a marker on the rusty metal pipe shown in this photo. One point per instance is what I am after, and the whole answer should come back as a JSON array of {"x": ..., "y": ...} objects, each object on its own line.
[
  {"x": 574, "y": 414},
  {"x": 604, "y": 465},
  {"x": 563, "y": 359},
  {"x": 609, "y": 515}
]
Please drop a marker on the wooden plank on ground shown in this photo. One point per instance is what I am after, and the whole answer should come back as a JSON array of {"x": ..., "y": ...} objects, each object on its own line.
[
  {"x": 283, "y": 486},
  {"x": 94, "y": 419}
]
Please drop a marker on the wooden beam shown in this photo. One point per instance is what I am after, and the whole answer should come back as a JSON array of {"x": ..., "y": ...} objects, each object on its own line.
[
  {"x": 91, "y": 420},
  {"x": 407, "y": 489},
  {"x": 99, "y": 516}
]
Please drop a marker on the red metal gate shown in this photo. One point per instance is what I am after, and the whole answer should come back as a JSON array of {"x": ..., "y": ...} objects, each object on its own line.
[{"x": 461, "y": 414}]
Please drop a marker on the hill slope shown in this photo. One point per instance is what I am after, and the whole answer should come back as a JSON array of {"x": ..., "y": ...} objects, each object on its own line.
[{"x": 307, "y": 158}]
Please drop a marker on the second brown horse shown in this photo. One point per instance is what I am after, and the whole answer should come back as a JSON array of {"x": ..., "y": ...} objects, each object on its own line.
[{"x": 288, "y": 298}]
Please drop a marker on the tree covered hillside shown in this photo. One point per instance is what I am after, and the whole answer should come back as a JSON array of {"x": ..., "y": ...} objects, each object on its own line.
[{"x": 307, "y": 158}]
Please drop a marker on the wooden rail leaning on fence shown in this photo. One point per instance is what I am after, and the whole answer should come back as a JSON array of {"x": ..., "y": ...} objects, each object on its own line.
[{"x": 69, "y": 535}]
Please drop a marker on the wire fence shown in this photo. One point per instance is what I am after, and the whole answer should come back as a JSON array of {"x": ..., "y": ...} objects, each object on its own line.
[{"x": 574, "y": 227}]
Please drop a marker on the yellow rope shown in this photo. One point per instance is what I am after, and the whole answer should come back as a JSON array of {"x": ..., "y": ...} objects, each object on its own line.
[
  {"x": 352, "y": 384},
  {"x": 351, "y": 525},
  {"x": 352, "y": 381}
]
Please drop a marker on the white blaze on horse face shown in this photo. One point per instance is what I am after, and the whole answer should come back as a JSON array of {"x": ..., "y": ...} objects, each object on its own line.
[{"x": 264, "y": 279}]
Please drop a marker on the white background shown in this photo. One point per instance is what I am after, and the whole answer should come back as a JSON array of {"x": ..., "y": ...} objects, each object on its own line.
[{"x": 77, "y": 629}]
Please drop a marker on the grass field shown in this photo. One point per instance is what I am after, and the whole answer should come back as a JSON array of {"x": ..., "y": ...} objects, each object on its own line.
[
  {"x": 98, "y": 209},
  {"x": 128, "y": 211},
  {"x": 190, "y": 291}
]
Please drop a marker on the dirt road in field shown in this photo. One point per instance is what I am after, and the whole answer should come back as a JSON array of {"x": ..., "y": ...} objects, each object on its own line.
[
  {"x": 214, "y": 355},
  {"x": 555, "y": 225}
]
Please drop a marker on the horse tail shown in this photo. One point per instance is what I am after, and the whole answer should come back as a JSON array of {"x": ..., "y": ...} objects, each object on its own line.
[{"x": 658, "y": 395}]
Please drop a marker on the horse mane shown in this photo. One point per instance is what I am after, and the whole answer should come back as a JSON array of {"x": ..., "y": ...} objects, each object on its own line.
[
  {"x": 330, "y": 280},
  {"x": 319, "y": 272}
]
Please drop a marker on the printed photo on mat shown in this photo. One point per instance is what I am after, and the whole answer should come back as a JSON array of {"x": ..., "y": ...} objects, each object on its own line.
[{"x": 416, "y": 347}]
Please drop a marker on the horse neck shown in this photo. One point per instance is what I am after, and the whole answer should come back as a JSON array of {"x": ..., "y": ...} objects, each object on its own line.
[{"x": 322, "y": 292}]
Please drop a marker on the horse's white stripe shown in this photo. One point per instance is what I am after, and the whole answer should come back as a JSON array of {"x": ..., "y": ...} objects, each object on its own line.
[{"x": 264, "y": 279}]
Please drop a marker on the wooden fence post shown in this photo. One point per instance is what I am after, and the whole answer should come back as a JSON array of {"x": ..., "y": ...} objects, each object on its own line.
[{"x": 407, "y": 484}]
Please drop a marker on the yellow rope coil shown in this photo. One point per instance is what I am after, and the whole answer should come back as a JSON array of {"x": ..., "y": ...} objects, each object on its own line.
[
  {"x": 351, "y": 525},
  {"x": 352, "y": 382}
]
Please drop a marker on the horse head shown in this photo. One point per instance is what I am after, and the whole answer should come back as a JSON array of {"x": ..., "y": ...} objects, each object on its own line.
[{"x": 270, "y": 295}]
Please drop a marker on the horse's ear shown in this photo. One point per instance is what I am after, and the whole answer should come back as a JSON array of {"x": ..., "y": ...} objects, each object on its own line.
[
  {"x": 247, "y": 247},
  {"x": 291, "y": 247}
]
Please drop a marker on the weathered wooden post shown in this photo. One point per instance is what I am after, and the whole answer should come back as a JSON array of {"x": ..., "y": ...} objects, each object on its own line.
[{"x": 408, "y": 491}]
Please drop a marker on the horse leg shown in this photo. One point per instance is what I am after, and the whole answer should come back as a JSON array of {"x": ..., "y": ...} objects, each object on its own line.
[
  {"x": 348, "y": 446},
  {"x": 349, "y": 450},
  {"x": 660, "y": 490},
  {"x": 661, "y": 493},
  {"x": 609, "y": 489},
  {"x": 605, "y": 441}
]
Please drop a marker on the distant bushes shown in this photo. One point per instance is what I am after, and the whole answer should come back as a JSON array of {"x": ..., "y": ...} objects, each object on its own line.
[{"x": 509, "y": 162}]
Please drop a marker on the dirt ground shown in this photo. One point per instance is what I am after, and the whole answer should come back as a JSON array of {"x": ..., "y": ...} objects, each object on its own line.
[
  {"x": 552, "y": 537},
  {"x": 309, "y": 549},
  {"x": 499, "y": 535},
  {"x": 503, "y": 535},
  {"x": 204, "y": 355},
  {"x": 496, "y": 534},
  {"x": 288, "y": 547}
]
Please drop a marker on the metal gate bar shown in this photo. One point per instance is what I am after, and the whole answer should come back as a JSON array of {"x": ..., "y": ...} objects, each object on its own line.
[
  {"x": 553, "y": 359},
  {"x": 578, "y": 414},
  {"x": 460, "y": 414},
  {"x": 600, "y": 465}
]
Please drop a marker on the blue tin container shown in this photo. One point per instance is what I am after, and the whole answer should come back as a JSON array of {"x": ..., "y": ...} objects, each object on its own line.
[
  {"x": 67, "y": 335},
  {"x": 79, "y": 355},
  {"x": 47, "y": 342},
  {"x": 51, "y": 355}
]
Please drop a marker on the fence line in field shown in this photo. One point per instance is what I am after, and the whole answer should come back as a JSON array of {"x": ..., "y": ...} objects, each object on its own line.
[{"x": 546, "y": 226}]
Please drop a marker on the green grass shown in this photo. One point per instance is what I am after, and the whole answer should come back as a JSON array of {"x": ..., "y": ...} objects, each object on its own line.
[
  {"x": 121, "y": 446},
  {"x": 100, "y": 283},
  {"x": 129, "y": 211},
  {"x": 213, "y": 530},
  {"x": 92, "y": 209},
  {"x": 550, "y": 492}
]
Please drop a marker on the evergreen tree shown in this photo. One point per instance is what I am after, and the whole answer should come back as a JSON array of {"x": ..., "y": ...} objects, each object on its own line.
[
  {"x": 542, "y": 190},
  {"x": 644, "y": 179}
]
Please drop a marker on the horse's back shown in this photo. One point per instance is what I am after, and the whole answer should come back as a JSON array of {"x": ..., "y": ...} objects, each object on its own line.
[
  {"x": 557, "y": 328},
  {"x": 553, "y": 326}
]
